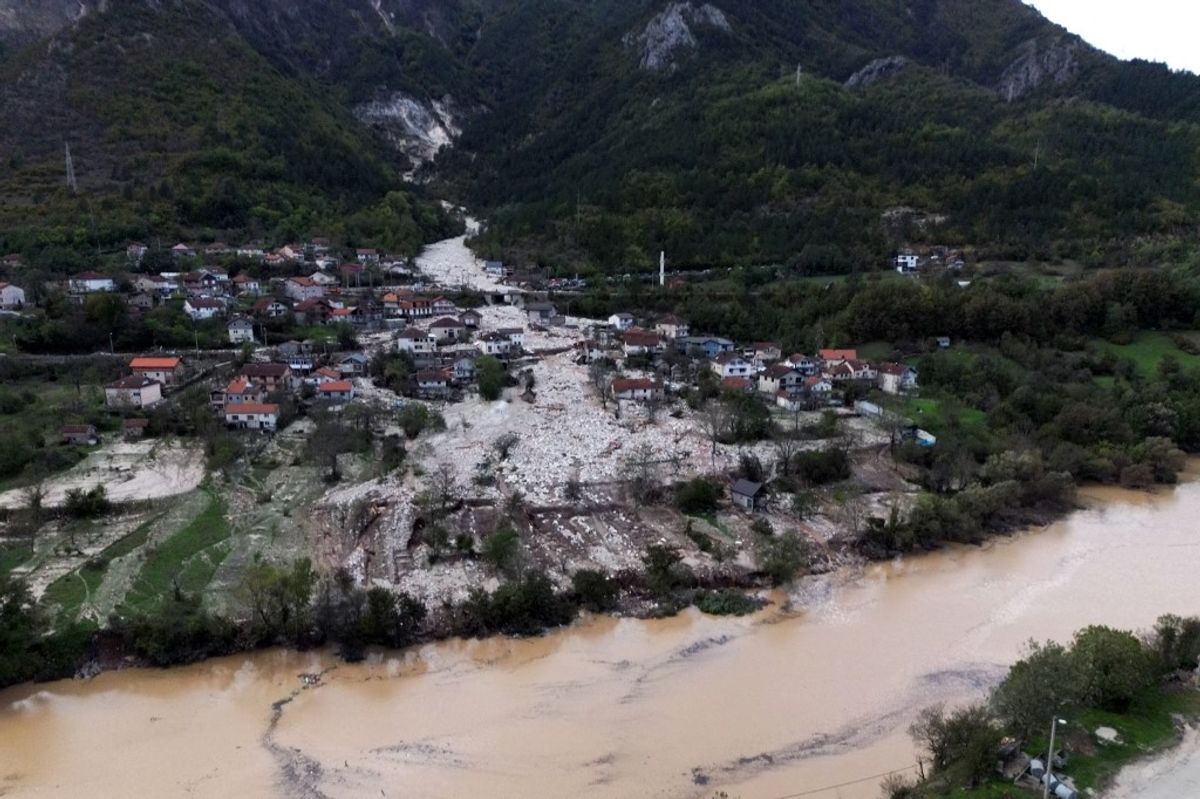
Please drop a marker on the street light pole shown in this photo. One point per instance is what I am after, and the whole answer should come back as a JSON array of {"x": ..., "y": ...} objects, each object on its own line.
[{"x": 1050, "y": 757}]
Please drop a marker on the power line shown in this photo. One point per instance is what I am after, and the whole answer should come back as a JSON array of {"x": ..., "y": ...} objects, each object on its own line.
[{"x": 822, "y": 789}]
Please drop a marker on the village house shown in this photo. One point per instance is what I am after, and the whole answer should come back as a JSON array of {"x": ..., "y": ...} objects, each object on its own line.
[
  {"x": 165, "y": 370},
  {"x": 906, "y": 262},
  {"x": 322, "y": 279},
  {"x": 303, "y": 288},
  {"x": 241, "y": 330},
  {"x": 763, "y": 353},
  {"x": 11, "y": 297},
  {"x": 834, "y": 357},
  {"x": 133, "y": 429},
  {"x": 896, "y": 378},
  {"x": 92, "y": 283},
  {"x": 442, "y": 307},
  {"x": 705, "y": 346},
  {"x": 273, "y": 376},
  {"x": 672, "y": 327},
  {"x": 201, "y": 308},
  {"x": 417, "y": 342},
  {"x": 135, "y": 391},
  {"x": 270, "y": 308},
  {"x": 336, "y": 391},
  {"x": 291, "y": 252},
  {"x": 313, "y": 312},
  {"x": 352, "y": 315},
  {"x": 354, "y": 364},
  {"x": 780, "y": 377},
  {"x": 817, "y": 386},
  {"x": 448, "y": 329},
  {"x": 416, "y": 308},
  {"x": 182, "y": 250},
  {"x": 636, "y": 389},
  {"x": 515, "y": 336},
  {"x": 134, "y": 251},
  {"x": 804, "y": 364},
  {"x": 80, "y": 434},
  {"x": 240, "y": 391},
  {"x": 159, "y": 285},
  {"x": 463, "y": 367},
  {"x": 244, "y": 284},
  {"x": 540, "y": 312},
  {"x": 142, "y": 301},
  {"x": 622, "y": 321},
  {"x": 367, "y": 256},
  {"x": 433, "y": 383},
  {"x": 218, "y": 249},
  {"x": 850, "y": 370},
  {"x": 326, "y": 374},
  {"x": 252, "y": 251},
  {"x": 471, "y": 319},
  {"x": 494, "y": 269},
  {"x": 640, "y": 342},
  {"x": 747, "y": 494},
  {"x": 252, "y": 415},
  {"x": 593, "y": 350},
  {"x": 495, "y": 344},
  {"x": 730, "y": 364},
  {"x": 742, "y": 384}
]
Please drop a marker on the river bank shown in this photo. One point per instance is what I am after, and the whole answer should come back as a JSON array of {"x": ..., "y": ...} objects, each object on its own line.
[{"x": 811, "y": 692}]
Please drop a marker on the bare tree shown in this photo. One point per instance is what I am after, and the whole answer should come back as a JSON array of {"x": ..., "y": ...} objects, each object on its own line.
[
  {"x": 715, "y": 419},
  {"x": 654, "y": 403},
  {"x": 852, "y": 513},
  {"x": 598, "y": 374},
  {"x": 639, "y": 472},
  {"x": 786, "y": 438},
  {"x": 504, "y": 444}
]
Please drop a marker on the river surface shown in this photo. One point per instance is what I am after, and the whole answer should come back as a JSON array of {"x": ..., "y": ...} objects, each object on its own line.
[{"x": 817, "y": 691}]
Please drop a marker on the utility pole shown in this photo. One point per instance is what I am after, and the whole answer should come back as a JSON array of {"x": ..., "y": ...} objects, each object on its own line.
[
  {"x": 662, "y": 268},
  {"x": 1050, "y": 758},
  {"x": 71, "y": 183}
]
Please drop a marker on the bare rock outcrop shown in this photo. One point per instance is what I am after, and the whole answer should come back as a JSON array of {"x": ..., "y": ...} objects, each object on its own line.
[
  {"x": 671, "y": 31},
  {"x": 877, "y": 70},
  {"x": 1057, "y": 61},
  {"x": 416, "y": 127}
]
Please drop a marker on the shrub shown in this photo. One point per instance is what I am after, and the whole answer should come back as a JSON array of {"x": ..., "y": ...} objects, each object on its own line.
[
  {"x": 726, "y": 602},
  {"x": 783, "y": 557},
  {"x": 89, "y": 504},
  {"x": 500, "y": 548},
  {"x": 699, "y": 495},
  {"x": 594, "y": 590},
  {"x": 822, "y": 466}
]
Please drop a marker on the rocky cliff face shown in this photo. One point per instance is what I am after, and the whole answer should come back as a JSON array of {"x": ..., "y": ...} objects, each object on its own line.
[
  {"x": 25, "y": 21},
  {"x": 877, "y": 70},
  {"x": 1056, "y": 60},
  {"x": 417, "y": 128},
  {"x": 670, "y": 32}
]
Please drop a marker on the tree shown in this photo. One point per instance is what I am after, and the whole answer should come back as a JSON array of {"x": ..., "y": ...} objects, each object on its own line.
[
  {"x": 491, "y": 376},
  {"x": 784, "y": 556},
  {"x": 639, "y": 472},
  {"x": 500, "y": 548},
  {"x": 715, "y": 420},
  {"x": 1113, "y": 665},
  {"x": 1045, "y": 679},
  {"x": 504, "y": 444},
  {"x": 698, "y": 495},
  {"x": 595, "y": 590},
  {"x": 962, "y": 743},
  {"x": 599, "y": 377},
  {"x": 1176, "y": 641},
  {"x": 663, "y": 567}
]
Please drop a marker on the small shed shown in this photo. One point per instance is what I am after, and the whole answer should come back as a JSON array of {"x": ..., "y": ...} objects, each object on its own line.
[
  {"x": 135, "y": 428},
  {"x": 79, "y": 434},
  {"x": 746, "y": 494}
]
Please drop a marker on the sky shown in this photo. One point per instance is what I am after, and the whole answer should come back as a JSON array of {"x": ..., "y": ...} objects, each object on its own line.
[{"x": 1156, "y": 30}]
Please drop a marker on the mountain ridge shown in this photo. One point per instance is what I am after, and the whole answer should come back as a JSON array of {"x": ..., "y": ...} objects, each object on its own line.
[{"x": 550, "y": 116}]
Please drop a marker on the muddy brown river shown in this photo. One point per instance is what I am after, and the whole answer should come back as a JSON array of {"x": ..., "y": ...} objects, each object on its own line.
[{"x": 813, "y": 693}]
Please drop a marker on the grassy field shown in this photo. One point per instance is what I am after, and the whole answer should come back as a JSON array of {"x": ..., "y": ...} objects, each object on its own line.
[
  {"x": 13, "y": 554},
  {"x": 1147, "y": 351},
  {"x": 72, "y": 590},
  {"x": 936, "y": 415},
  {"x": 187, "y": 559}
]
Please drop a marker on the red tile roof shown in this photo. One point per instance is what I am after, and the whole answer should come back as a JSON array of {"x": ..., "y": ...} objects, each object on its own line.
[
  {"x": 155, "y": 364},
  {"x": 252, "y": 407}
]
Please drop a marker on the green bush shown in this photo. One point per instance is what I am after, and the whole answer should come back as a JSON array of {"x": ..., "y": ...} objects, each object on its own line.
[{"x": 698, "y": 495}]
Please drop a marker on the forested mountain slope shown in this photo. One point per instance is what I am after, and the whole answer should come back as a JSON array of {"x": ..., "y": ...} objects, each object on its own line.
[{"x": 596, "y": 132}]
